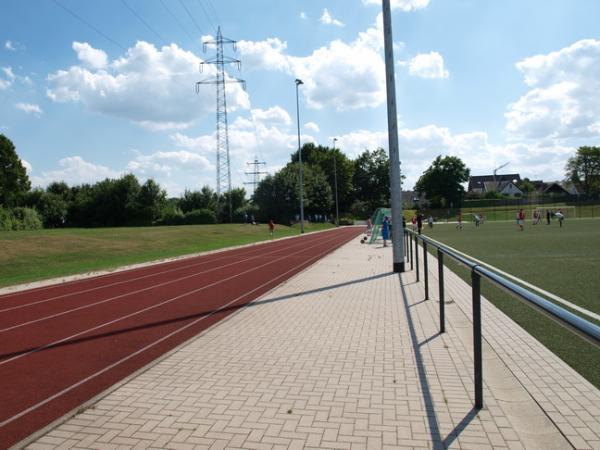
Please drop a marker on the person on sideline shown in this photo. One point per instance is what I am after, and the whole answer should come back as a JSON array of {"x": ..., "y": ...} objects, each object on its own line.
[
  {"x": 271, "y": 227},
  {"x": 520, "y": 219},
  {"x": 385, "y": 230},
  {"x": 430, "y": 221},
  {"x": 459, "y": 221},
  {"x": 547, "y": 217},
  {"x": 477, "y": 220},
  {"x": 560, "y": 216},
  {"x": 419, "y": 222}
]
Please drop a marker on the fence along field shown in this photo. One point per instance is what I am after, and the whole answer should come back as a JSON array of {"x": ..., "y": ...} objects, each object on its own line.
[{"x": 564, "y": 261}]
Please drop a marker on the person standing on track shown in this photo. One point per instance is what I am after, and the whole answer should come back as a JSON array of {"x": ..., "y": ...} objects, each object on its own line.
[
  {"x": 385, "y": 230},
  {"x": 459, "y": 221},
  {"x": 271, "y": 227}
]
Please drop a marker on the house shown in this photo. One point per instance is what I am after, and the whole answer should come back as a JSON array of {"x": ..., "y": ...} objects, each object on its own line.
[
  {"x": 504, "y": 184},
  {"x": 555, "y": 188}
]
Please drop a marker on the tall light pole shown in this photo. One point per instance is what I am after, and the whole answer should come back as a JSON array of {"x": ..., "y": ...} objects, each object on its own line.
[
  {"x": 298, "y": 83},
  {"x": 396, "y": 188},
  {"x": 337, "y": 212}
]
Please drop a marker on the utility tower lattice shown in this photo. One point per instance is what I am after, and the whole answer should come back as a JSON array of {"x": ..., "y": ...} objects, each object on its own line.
[
  {"x": 256, "y": 173},
  {"x": 219, "y": 61}
]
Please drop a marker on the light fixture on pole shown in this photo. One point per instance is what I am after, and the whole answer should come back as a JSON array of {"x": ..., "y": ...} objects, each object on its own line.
[
  {"x": 337, "y": 211},
  {"x": 298, "y": 83}
]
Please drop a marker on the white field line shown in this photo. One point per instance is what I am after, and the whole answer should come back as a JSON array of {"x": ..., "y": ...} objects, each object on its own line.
[
  {"x": 83, "y": 291},
  {"x": 118, "y": 319},
  {"x": 143, "y": 349},
  {"x": 554, "y": 297},
  {"x": 110, "y": 299}
]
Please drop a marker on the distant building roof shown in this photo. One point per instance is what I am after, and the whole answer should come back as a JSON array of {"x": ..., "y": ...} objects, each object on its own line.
[{"x": 478, "y": 182}]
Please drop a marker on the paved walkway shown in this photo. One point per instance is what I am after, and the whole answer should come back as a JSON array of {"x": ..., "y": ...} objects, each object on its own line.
[{"x": 346, "y": 355}]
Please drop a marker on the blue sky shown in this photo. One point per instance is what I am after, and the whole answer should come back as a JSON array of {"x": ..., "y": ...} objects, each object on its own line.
[{"x": 488, "y": 81}]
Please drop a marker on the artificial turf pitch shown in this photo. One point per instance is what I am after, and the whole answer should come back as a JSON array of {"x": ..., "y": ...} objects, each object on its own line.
[{"x": 564, "y": 261}]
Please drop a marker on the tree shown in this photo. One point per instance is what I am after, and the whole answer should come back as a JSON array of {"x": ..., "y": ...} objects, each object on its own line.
[
  {"x": 14, "y": 182},
  {"x": 371, "y": 178},
  {"x": 151, "y": 201},
  {"x": 442, "y": 181},
  {"x": 583, "y": 169},
  {"x": 278, "y": 196},
  {"x": 344, "y": 168},
  {"x": 206, "y": 198},
  {"x": 526, "y": 185}
]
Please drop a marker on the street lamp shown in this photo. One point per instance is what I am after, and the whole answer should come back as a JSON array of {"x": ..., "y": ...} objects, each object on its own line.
[
  {"x": 337, "y": 212},
  {"x": 298, "y": 83}
]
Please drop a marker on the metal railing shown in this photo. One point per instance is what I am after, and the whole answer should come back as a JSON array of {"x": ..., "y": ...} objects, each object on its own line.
[{"x": 587, "y": 330}]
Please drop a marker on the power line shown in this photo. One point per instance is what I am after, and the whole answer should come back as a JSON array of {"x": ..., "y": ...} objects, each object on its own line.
[
  {"x": 78, "y": 17},
  {"x": 210, "y": 22},
  {"x": 144, "y": 22},
  {"x": 191, "y": 17},
  {"x": 214, "y": 11},
  {"x": 177, "y": 20}
]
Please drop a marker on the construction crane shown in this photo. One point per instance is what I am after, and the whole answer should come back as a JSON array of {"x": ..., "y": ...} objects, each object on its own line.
[{"x": 497, "y": 169}]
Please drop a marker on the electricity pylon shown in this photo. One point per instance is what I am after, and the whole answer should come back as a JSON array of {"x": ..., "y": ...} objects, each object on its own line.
[
  {"x": 219, "y": 61},
  {"x": 256, "y": 173}
]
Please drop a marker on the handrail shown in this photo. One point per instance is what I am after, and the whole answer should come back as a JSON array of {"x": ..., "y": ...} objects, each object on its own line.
[{"x": 583, "y": 328}]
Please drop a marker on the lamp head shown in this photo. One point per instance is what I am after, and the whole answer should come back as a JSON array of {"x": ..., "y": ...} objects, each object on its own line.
[{"x": 299, "y": 82}]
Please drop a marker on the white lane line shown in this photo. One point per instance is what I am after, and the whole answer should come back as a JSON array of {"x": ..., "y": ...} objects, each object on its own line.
[
  {"x": 59, "y": 297},
  {"x": 143, "y": 349},
  {"x": 533, "y": 287},
  {"x": 170, "y": 300},
  {"x": 110, "y": 299}
]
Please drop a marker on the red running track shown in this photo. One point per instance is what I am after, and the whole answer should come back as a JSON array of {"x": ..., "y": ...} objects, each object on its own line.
[{"x": 63, "y": 344}]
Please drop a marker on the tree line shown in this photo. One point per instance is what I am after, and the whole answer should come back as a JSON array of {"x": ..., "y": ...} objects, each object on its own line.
[{"x": 362, "y": 186}]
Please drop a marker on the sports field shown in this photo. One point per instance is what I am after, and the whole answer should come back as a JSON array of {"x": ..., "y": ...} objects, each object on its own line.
[
  {"x": 563, "y": 261},
  {"x": 39, "y": 254}
]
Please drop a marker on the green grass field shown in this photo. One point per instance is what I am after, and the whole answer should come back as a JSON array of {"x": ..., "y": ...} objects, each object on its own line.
[
  {"x": 564, "y": 261},
  {"x": 35, "y": 255}
]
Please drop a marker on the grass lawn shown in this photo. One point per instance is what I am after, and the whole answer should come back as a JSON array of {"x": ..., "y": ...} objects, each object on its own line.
[
  {"x": 40, "y": 254},
  {"x": 564, "y": 261}
]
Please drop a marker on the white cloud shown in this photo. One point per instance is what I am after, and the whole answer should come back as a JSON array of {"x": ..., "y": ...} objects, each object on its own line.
[
  {"x": 89, "y": 56},
  {"x": 29, "y": 108},
  {"x": 28, "y": 167},
  {"x": 8, "y": 45},
  {"x": 8, "y": 78},
  {"x": 328, "y": 72},
  {"x": 564, "y": 99},
  {"x": 402, "y": 5},
  {"x": 420, "y": 146},
  {"x": 311, "y": 126},
  {"x": 328, "y": 20},
  {"x": 151, "y": 87},
  {"x": 428, "y": 65},
  {"x": 303, "y": 15},
  {"x": 275, "y": 115},
  {"x": 75, "y": 170}
]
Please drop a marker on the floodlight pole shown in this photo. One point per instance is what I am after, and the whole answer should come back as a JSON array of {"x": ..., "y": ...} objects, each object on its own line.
[
  {"x": 298, "y": 83},
  {"x": 395, "y": 180},
  {"x": 337, "y": 211}
]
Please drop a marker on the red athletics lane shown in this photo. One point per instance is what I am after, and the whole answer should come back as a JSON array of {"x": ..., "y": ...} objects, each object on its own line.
[{"x": 63, "y": 344}]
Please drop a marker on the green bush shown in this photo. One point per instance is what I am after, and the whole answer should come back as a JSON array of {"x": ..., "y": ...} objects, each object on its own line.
[
  {"x": 171, "y": 215},
  {"x": 346, "y": 219},
  {"x": 200, "y": 217},
  {"x": 19, "y": 219}
]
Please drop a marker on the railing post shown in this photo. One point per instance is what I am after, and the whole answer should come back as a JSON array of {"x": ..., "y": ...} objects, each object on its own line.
[
  {"x": 417, "y": 256},
  {"x": 425, "y": 270},
  {"x": 477, "y": 360},
  {"x": 440, "y": 256},
  {"x": 411, "y": 251}
]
